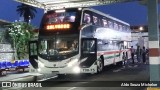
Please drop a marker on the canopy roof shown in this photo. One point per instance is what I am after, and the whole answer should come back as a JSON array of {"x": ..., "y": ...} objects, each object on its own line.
[
  {"x": 4, "y": 22},
  {"x": 59, "y": 4}
]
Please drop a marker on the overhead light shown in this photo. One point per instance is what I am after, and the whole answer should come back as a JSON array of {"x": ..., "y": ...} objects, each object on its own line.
[
  {"x": 79, "y": 8},
  {"x": 141, "y": 28},
  {"x": 60, "y": 11}
]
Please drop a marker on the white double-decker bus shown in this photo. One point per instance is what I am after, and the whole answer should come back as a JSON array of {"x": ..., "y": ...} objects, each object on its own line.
[{"x": 79, "y": 40}]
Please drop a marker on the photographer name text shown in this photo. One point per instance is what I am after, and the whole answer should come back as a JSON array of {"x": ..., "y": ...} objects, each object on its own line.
[{"x": 139, "y": 84}]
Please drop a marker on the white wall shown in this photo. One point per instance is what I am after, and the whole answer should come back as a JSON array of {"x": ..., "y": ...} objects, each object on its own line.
[
  {"x": 5, "y": 50},
  {"x": 140, "y": 39}
]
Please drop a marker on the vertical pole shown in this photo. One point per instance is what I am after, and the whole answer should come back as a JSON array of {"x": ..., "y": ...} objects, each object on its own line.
[{"x": 153, "y": 29}]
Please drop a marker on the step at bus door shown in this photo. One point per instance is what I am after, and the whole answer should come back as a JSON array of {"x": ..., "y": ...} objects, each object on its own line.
[
  {"x": 33, "y": 53},
  {"x": 88, "y": 52}
]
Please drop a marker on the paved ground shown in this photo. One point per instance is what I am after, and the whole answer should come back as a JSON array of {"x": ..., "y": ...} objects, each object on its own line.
[
  {"x": 12, "y": 76},
  {"x": 111, "y": 77}
]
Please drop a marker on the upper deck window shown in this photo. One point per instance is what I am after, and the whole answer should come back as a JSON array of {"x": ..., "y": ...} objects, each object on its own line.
[
  {"x": 105, "y": 24},
  {"x": 61, "y": 17},
  {"x": 128, "y": 29},
  {"x": 110, "y": 24},
  {"x": 124, "y": 28},
  {"x": 87, "y": 18},
  {"x": 115, "y": 26},
  {"x": 95, "y": 20},
  {"x": 120, "y": 27}
]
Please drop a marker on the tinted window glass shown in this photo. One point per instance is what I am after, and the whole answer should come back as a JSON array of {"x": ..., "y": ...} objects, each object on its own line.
[
  {"x": 60, "y": 17},
  {"x": 87, "y": 18}
]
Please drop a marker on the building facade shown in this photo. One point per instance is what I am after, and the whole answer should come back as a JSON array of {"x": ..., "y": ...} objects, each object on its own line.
[{"x": 139, "y": 36}]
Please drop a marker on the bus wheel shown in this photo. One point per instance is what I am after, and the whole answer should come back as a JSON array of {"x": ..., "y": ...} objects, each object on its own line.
[
  {"x": 120, "y": 63},
  {"x": 100, "y": 66}
]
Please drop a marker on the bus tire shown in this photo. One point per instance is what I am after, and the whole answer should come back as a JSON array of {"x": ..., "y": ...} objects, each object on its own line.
[
  {"x": 100, "y": 65},
  {"x": 120, "y": 63}
]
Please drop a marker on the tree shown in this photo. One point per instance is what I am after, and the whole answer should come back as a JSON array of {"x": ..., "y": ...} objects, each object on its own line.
[
  {"x": 20, "y": 33},
  {"x": 28, "y": 12}
]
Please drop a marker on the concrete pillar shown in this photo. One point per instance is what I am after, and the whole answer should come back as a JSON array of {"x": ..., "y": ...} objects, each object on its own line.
[{"x": 154, "y": 51}]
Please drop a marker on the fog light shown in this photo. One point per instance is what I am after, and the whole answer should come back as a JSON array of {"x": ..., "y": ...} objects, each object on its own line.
[{"x": 38, "y": 69}]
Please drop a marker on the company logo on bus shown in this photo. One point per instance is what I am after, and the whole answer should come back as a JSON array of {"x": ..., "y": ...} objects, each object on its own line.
[{"x": 58, "y": 26}]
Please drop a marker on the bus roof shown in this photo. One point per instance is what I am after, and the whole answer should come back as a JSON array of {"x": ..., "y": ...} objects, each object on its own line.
[{"x": 60, "y": 4}]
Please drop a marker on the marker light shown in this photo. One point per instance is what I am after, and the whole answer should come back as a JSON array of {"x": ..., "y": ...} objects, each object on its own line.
[
  {"x": 58, "y": 26},
  {"x": 141, "y": 28}
]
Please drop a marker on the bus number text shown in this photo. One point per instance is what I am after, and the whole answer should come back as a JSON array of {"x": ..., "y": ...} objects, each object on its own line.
[{"x": 89, "y": 70}]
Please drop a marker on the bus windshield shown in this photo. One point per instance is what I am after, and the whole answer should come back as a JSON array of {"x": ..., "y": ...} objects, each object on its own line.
[
  {"x": 62, "y": 17},
  {"x": 58, "y": 47}
]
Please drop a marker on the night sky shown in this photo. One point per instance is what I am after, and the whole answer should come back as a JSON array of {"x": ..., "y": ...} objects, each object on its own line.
[{"x": 131, "y": 12}]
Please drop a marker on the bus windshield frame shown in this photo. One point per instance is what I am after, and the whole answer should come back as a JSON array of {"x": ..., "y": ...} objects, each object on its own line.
[
  {"x": 58, "y": 47},
  {"x": 72, "y": 16}
]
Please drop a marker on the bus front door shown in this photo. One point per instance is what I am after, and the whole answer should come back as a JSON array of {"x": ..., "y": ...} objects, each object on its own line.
[
  {"x": 33, "y": 54},
  {"x": 88, "y": 52}
]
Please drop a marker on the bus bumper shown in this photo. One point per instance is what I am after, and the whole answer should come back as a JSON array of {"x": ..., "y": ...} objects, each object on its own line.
[{"x": 68, "y": 70}]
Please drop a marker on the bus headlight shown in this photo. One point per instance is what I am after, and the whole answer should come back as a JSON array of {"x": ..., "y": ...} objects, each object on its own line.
[
  {"x": 71, "y": 63},
  {"x": 76, "y": 69},
  {"x": 38, "y": 69},
  {"x": 40, "y": 64}
]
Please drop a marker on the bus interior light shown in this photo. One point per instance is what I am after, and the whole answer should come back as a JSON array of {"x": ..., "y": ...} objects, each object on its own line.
[{"x": 58, "y": 41}]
